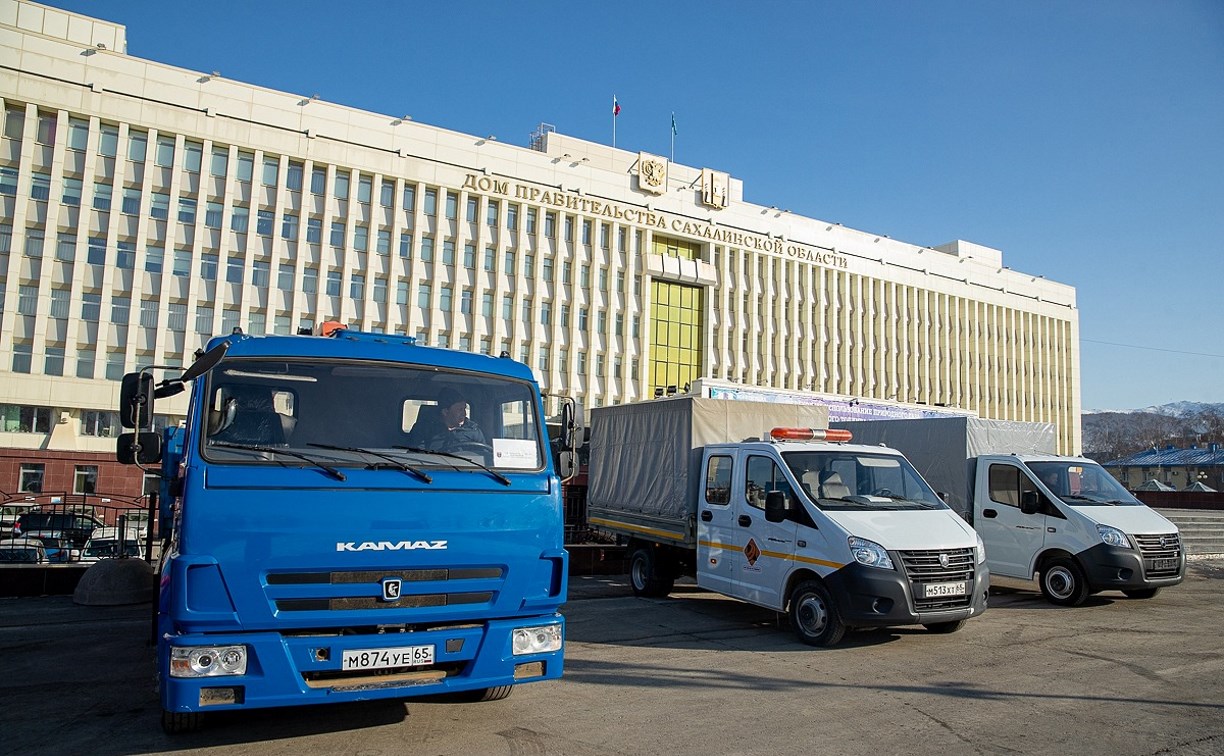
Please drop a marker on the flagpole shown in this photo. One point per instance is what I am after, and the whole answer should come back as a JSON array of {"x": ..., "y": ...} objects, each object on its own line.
[
  {"x": 613, "y": 120},
  {"x": 673, "y": 138}
]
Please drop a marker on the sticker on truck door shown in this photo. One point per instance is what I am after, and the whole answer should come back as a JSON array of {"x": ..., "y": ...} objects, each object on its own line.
[{"x": 752, "y": 552}]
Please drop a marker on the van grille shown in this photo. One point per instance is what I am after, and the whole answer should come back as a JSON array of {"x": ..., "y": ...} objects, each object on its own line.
[
  {"x": 924, "y": 567},
  {"x": 347, "y": 590},
  {"x": 1162, "y": 554}
]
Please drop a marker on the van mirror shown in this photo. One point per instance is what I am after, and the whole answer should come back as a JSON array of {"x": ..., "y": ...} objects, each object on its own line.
[
  {"x": 136, "y": 400},
  {"x": 777, "y": 506},
  {"x": 1030, "y": 502},
  {"x": 139, "y": 448}
]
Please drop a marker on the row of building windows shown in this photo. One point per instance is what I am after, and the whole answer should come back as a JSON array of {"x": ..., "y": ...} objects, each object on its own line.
[{"x": 22, "y": 418}]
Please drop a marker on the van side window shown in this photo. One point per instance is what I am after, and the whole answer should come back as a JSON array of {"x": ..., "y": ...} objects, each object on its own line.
[
  {"x": 1005, "y": 485},
  {"x": 718, "y": 480},
  {"x": 764, "y": 476},
  {"x": 1008, "y": 484}
]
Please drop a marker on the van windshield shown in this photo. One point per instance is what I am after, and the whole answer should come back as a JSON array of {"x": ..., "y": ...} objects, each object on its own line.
[
  {"x": 845, "y": 480},
  {"x": 344, "y": 414},
  {"x": 1083, "y": 484}
]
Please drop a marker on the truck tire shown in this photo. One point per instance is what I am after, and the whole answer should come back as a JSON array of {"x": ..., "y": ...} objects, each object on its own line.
[
  {"x": 814, "y": 616},
  {"x": 179, "y": 722},
  {"x": 1142, "y": 593},
  {"x": 646, "y": 576},
  {"x": 945, "y": 627},
  {"x": 1063, "y": 582}
]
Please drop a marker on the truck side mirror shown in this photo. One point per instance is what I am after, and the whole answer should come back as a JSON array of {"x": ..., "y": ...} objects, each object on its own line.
[
  {"x": 136, "y": 400},
  {"x": 1030, "y": 502},
  {"x": 571, "y": 425},
  {"x": 566, "y": 466},
  {"x": 777, "y": 506},
  {"x": 139, "y": 448}
]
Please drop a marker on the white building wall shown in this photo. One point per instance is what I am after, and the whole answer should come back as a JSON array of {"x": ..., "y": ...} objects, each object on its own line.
[{"x": 791, "y": 302}]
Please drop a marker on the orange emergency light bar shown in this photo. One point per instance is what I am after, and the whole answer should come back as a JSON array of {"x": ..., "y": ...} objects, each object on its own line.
[{"x": 810, "y": 434}]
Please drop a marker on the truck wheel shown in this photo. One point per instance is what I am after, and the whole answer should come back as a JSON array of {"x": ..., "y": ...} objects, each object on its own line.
[
  {"x": 178, "y": 722},
  {"x": 487, "y": 694},
  {"x": 945, "y": 627},
  {"x": 814, "y": 616},
  {"x": 644, "y": 574},
  {"x": 1142, "y": 593},
  {"x": 1063, "y": 582}
]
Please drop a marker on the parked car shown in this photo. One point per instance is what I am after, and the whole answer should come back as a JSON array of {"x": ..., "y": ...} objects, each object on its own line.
[
  {"x": 104, "y": 544},
  {"x": 22, "y": 551},
  {"x": 75, "y": 526},
  {"x": 58, "y": 545}
]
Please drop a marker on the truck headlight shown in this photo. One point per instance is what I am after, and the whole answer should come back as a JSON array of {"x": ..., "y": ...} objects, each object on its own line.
[
  {"x": 870, "y": 553},
  {"x": 208, "y": 661},
  {"x": 536, "y": 640},
  {"x": 1113, "y": 537},
  {"x": 981, "y": 549}
]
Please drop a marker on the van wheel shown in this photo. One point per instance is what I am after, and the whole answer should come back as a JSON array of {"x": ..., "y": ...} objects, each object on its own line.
[
  {"x": 178, "y": 722},
  {"x": 1142, "y": 593},
  {"x": 1063, "y": 582},
  {"x": 943, "y": 628},
  {"x": 814, "y": 616},
  {"x": 645, "y": 575}
]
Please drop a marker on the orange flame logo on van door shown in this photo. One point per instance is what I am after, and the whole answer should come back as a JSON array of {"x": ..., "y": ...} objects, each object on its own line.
[{"x": 752, "y": 551}]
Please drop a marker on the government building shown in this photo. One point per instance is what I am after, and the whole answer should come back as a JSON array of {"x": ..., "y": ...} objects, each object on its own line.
[{"x": 145, "y": 208}]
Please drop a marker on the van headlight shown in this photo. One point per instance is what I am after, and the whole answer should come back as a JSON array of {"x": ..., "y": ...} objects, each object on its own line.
[
  {"x": 535, "y": 640},
  {"x": 981, "y": 549},
  {"x": 870, "y": 553},
  {"x": 1113, "y": 537},
  {"x": 208, "y": 661}
]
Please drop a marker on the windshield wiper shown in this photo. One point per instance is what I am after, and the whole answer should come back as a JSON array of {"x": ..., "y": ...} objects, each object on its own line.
[
  {"x": 397, "y": 464},
  {"x": 496, "y": 475},
  {"x": 1077, "y": 497},
  {"x": 273, "y": 450}
]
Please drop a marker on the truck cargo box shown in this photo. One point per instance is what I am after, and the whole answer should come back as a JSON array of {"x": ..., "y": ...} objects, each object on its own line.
[
  {"x": 645, "y": 458},
  {"x": 943, "y": 449}
]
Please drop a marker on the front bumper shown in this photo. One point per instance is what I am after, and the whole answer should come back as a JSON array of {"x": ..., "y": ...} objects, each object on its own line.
[
  {"x": 872, "y": 597},
  {"x": 291, "y": 670},
  {"x": 1110, "y": 568}
]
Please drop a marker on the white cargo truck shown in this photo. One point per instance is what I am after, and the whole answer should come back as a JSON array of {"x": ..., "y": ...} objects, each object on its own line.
[
  {"x": 760, "y": 502},
  {"x": 1064, "y": 519}
]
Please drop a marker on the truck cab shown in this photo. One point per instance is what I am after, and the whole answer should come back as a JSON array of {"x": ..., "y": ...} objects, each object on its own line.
[
  {"x": 332, "y": 538},
  {"x": 1071, "y": 523},
  {"x": 837, "y": 535}
]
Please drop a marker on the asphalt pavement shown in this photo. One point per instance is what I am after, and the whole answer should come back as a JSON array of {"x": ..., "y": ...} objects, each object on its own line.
[{"x": 693, "y": 673}]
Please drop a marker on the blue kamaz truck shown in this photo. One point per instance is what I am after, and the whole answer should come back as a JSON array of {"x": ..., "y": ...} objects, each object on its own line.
[{"x": 340, "y": 529}]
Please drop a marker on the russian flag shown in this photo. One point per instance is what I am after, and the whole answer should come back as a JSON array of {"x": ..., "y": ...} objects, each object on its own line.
[{"x": 615, "y": 106}]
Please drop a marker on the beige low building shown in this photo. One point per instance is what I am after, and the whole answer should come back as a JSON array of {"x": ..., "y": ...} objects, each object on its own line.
[{"x": 145, "y": 208}]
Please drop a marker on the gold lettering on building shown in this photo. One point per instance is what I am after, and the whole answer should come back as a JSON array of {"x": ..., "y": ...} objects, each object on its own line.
[{"x": 636, "y": 216}]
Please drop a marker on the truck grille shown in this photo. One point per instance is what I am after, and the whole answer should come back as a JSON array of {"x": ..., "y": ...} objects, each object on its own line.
[
  {"x": 362, "y": 589},
  {"x": 924, "y": 567},
  {"x": 1162, "y": 554}
]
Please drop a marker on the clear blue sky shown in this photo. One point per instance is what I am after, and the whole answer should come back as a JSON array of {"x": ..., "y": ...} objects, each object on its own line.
[{"x": 1084, "y": 139}]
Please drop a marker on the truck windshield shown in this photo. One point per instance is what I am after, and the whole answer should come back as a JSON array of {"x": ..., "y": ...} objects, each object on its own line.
[
  {"x": 836, "y": 480},
  {"x": 373, "y": 415},
  {"x": 1083, "y": 484}
]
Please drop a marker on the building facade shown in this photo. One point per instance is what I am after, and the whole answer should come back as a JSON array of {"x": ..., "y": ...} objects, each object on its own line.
[{"x": 145, "y": 208}]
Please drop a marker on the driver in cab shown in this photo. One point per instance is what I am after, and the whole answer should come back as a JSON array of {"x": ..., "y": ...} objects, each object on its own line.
[{"x": 457, "y": 430}]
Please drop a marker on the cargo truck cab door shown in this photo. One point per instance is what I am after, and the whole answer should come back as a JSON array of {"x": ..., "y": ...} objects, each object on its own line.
[
  {"x": 767, "y": 549},
  {"x": 1013, "y": 533},
  {"x": 718, "y": 556}
]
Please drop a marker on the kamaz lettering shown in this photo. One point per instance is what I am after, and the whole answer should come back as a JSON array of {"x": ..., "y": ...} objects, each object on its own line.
[{"x": 389, "y": 545}]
